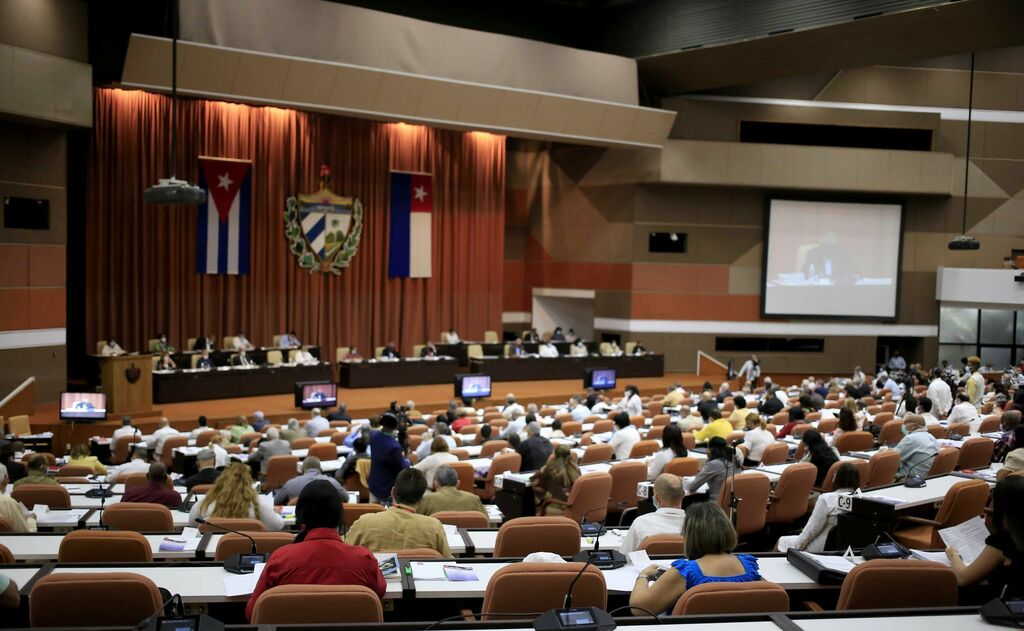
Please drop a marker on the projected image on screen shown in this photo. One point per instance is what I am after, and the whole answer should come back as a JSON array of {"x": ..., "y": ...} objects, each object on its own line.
[
  {"x": 85, "y": 405},
  {"x": 476, "y": 387},
  {"x": 832, "y": 259}
]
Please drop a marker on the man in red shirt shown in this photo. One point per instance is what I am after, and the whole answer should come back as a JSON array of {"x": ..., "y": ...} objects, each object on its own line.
[
  {"x": 466, "y": 417},
  {"x": 155, "y": 491},
  {"x": 318, "y": 556}
]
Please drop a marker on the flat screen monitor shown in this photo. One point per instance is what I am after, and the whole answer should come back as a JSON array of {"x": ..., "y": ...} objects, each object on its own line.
[
  {"x": 472, "y": 386},
  {"x": 83, "y": 405},
  {"x": 315, "y": 394},
  {"x": 599, "y": 378}
]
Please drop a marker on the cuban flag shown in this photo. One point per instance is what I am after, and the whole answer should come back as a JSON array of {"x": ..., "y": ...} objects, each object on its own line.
[
  {"x": 412, "y": 203},
  {"x": 223, "y": 221}
]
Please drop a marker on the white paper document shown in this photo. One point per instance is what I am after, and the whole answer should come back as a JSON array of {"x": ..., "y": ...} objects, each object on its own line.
[
  {"x": 422, "y": 571},
  {"x": 837, "y": 564},
  {"x": 967, "y": 538},
  {"x": 242, "y": 584},
  {"x": 639, "y": 559},
  {"x": 935, "y": 557}
]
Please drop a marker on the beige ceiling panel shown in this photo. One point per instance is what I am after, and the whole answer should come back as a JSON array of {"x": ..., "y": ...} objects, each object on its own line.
[
  {"x": 744, "y": 163},
  {"x": 904, "y": 173},
  {"x": 478, "y": 106},
  {"x": 205, "y": 69},
  {"x": 148, "y": 61},
  {"x": 262, "y": 78},
  {"x": 354, "y": 88},
  {"x": 550, "y": 114},
  {"x": 399, "y": 94},
  {"x": 308, "y": 82},
  {"x": 438, "y": 101},
  {"x": 583, "y": 118},
  {"x": 515, "y": 108},
  {"x": 618, "y": 122},
  {"x": 651, "y": 126}
]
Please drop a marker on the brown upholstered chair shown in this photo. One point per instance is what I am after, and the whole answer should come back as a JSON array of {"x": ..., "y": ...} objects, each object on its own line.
[
  {"x": 938, "y": 431},
  {"x": 6, "y": 556},
  {"x": 104, "y": 546},
  {"x": 93, "y": 594},
  {"x": 775, "y": 453},
  {"x": 317, "y": 604},
  {"x": 416, "y": 553},
  {"x": 712, "y": 598},
  {"x": 945, "y": 461},
  {"x": 492, "y": 447},
  {"x": 461, "y": 454},
  {"x": 523, "y": 535},
  {"x": 51, "y": 495},
  {"x": 828, "y": 484},
  {"x": 659, "y": 420},
  {"x": 682, "y": 467},
  {"x": 664, "y": 544},
  {"x": 462, "y": 518},
  {"x": 644, "y": 448},
  {"x": 266, "y": 542},
  {"x": 203, "y": 438},
  {"x": 588, "y": 498},
  {"x": 892, "y": 432},
  {"x": 990, "y": 424},
  {"x": 752, "y": 490},
  {"x": 303, "y": 443},
  {"x": 963, "y": 501},
  {"x": 788, "y": 502},
  {"x": 602, "y": 426},
  {"x": 280, "y": 469},
  {"x": 221, "y": 523},
  {"x": 138, "y": 516},
  {"x": 72, "y": 470},
  {"x": 170, "y": 444},
  {"x": 625, "y": 477},
  {"x": 201, "y": 489},
  {"x": 883, "y": 467},
  {"x": 530, "y": 587},
  {"x": 828, "y": 426},
  {"x": 466, "y": 475},
  {"x": 854, "y": 441},
  {"x": 975, "y": 453},
  {"x": 799, "y": 429},
  {"x": 353, "y": 512},
  {"x": 961, "y": 429},
  {"x": 910, "y": 583},
  {"x": 324, "y": 451},
  {"x": 119, "y": 449},
  {"x": 656, "y": 432},
  {"x": 597, "y": 453},
  {"x": 571, "y": 428},
  {"x": 780, "y": 419},
  {"x": 500, "y": 464}
]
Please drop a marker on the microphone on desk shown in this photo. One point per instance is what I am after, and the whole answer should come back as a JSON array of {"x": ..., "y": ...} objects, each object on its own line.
[
  {"x": 603, "y": 559},
  {"x": 238, "y": 563}
]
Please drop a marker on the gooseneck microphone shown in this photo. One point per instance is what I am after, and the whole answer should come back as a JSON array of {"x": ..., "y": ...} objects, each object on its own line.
[{"x": 238, "y": 563}]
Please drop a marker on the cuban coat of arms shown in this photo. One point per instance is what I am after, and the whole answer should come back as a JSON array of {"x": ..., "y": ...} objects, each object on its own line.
[{"x": 322, "y": 228}]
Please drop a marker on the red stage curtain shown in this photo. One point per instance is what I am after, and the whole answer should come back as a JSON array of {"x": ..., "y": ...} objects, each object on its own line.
[{"x": 140, "y": 269}]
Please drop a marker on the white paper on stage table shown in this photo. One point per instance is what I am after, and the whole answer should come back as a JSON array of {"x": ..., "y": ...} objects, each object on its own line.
[
  {"x": 935, "y": 557},
  {"x": 967, "y": 538},
  {"x": 427, "y": 571},
  {"x": 242, "y": 584}
]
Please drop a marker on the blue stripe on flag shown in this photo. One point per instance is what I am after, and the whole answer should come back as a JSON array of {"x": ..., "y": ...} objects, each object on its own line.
[
  {"x": 223, "y": 235},
  {"x": 244, "y": 231},
  {"x": 201, "y": 221},
  {"x": 399, "y": 237}
]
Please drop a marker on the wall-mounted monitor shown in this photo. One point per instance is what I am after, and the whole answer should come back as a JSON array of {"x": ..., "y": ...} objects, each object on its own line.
[
  {"x": 599, "y": 378},
  {"x": 315, "y": 394},
  {"x": 472, "y": 386},
  {"x": 91, "y": 406}
]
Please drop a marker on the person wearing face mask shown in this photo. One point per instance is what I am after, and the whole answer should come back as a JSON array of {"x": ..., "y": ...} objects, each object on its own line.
[
  {"x": 918, "y": 448},
  {"x": 631, "y": 403}
]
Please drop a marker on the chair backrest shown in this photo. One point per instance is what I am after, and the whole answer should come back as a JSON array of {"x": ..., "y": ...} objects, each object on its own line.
[
  {"x": 889, "y": 406},
  {"x": 682, "y": 467},
  {"x": 316, "y": 604},
  {"x": 891, "y": 433},
  {"x": 530, "y": 587},
  {"x": 500, "y": 464},
  {"x": 138, "y": 516},
  {"x": 416, "y": 553},
  {"x": 854, "y": 441},
  {"x": 221, "y": 524},
  {"x": 280, "y": 469},
  {"x": 752, "y": 490},
  {"x": 74, "y": 470},
  {"x": 910, "y": 583},
  {"x": 660, "y": 419},
  {"x": 523, "y": 535},
  {"x": 775, "y": 453},
  {"x": 938, "y": 431},
  {"x": 104, "y": 546},
  {"x": 990, "y": 424},
  {"x": 644, "y": 448},
  {"x": 266, "y": 542},
  {"x": 492, "y": 447},
  {"x": 828, "y": 425},
  {"x": 119, "y": 449},
  {"x": 51, "y": 495},
  {"x": 274, "y": 358},
  {"x": 791, "y": 493},
  {"x": 170, "y": 444},
  {"x": 963, "y": 500},
  {"x": 863, "y": 468},
  {"x": 602, "y": 426},
  {"x": 597, "y": 453},
  {"x": 201, "y": 489},
  {"x": 975, "y": 453},
  {"x": 712, "y": 598},
  {"x": 6, "y": 556},
  {"x": 625, "y": 478},
  {"x": 462, "y": 518},
  {"x": 355, "y": 511},
  {"x": 341, "y": 353},
  {"x": 883, "y": 468},
  {"x": 799, "y": 429},
  {"x": 664, "y": 544},
  {"x": 962, "y": 429},
  {"x": 324, "y": 451},
  {"x": 571, "y": 428},
  {"x": 656, "y": 432},
  {"x": 780, "y": 418},
  {"x": 945, "y": 461},
  {"x": 303, "y": 443},
  {"x": 491, "y": 337},
  {"x": 474, "y": 351},
  {"x": 588, "y": 498},
  {"x": 204, "y": 437},
  {"x": 94, "y": 595},
  {"x": 466, "y": 473}
]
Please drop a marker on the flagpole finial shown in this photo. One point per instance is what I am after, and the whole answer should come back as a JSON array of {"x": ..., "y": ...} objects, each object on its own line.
[{"x": 325, "y": 175}]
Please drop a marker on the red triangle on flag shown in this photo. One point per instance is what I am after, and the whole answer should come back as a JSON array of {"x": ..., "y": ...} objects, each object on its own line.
[{"x": 223, "y": 179}]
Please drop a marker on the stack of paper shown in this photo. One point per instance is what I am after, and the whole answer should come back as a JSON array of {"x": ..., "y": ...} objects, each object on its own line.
[
  {"x": 242, "y": 584},
  {"x": 967, "y": 538},
  {"x": 422, "y": 571},
  {"x": 834, "y": 563},
  {"x": 935, "y": 557}
]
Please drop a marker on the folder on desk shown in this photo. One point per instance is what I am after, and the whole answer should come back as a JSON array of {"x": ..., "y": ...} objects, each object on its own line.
[{"x": 820, "y": 568}]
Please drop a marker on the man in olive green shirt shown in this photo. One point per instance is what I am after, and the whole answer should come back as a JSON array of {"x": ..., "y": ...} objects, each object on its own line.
[
  {"x": 36, "y": 473},
  {"x": 399, "y": 527},
  {"x": 447, "y": 496},
  {"x": 240, "y": 428},
  {"x": 292, "y": 431}
]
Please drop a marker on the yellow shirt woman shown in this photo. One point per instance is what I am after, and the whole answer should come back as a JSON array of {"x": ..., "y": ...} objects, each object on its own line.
[
  {"x": 719, "y": 427},
  {"x": 89, "y": 461}
]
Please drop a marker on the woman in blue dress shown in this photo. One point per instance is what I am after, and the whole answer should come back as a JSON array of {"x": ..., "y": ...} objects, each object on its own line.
[{"x": 710, "y": 540}]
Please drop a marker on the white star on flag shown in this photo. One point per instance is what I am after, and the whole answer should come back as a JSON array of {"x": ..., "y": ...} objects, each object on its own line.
[
  {"x": 419, "y": 193},
  {"x": 224, "y": 181}
]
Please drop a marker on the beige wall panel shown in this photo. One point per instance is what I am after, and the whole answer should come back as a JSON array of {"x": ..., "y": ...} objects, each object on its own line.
[
  {"x": 696, "y": 205},
  {"x": 652, "y": 126},
  {"x": 32, "y": 155},
  {"x": 308, "y": 83},
  {"x": 148, "y": 62},
  {"x": 262, "y": 78},
  {"x": 999, "y": 91},
  {"x": 207, "y": 69},
  {"x": 617, "y": 120},
  {"x": 978, "y": 182},
  {"x": 45, "y": 87},
  {"x": 354, "y": 88},
  {"x": 611, "y": 304},
  {"x": 744, "y": 280},
  {"x": 917, "y": 298},
  {"x": 55, "y": 27},
  {"x": 435, "y": 99},
  {"x": 513, "y": 107},
  {"x": 1008, "y": 219},
  {"x": 47, "y": 364},
  {"x": 550, "y": 113},
  {"x": 745, "y": 165},
  {"x": 624, "y": 166},
  {"x": 399, "y": 95},
  {"x": 999, "y": 140},
  {"x": 583, "y": 118}
]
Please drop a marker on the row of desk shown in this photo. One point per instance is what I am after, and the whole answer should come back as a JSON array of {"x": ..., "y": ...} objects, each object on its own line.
[{"x": 176, "y": 387}]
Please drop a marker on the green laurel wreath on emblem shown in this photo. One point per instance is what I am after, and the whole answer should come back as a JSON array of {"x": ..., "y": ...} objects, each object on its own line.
[{"x": 338, "y": 254}]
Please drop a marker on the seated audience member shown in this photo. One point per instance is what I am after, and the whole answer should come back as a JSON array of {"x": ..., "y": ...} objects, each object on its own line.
[
  {"x": 847, "y": 423},
  {"x": 240, "y": 428},
  {"x": 1014, "y": 462},
  {"x": 917, "y": 449},
  {"x": 292, "y": 431},
  {"x": 203, "y": 426},
  {"x": 710, "y": 540},
  {"x": 439, "y": 455},
  {"x": 672, "y": 439},
  {"x": 667, "y": 519},
  {"x": 465, "y": 418},
  {"x": 268, "y": 448},
  {"x": 207, "y": 472},
  {"x": 707, "y": 403},
  {"x": 556, "y": 429},
  {"x": 233, "y": 497},
  {"x": 16, "y": 469},
  {"x": 318, "y": 556},
  {"x": 723, "y": 392},
  {"x": 387, "y": 459},
  {"x": 757, "y": 438},
  {"x": 486, "y": 434},
  {"x": 547, "y": 349},
  {"x": 535, "y": 450},
  {"x": 400, "y": 527},
  {"x": 137, "y": 464},
  {"x": 126, "y": 430},
  {"x": 513, "y": 409},
  {"x": 310, "y": 471},
  {"x": 771, "y": 404},
  {"x": 717, "y": 426},
  {"x": 340, "y": 413},
  {"x": 690, "y": 419},
  {"x": 557, "y": 335},
  {"x": 12, "y": 512},
  {"x": 578, "y": 349},
  {"x": 1010, "y": 421},
  {"x": 721, "y": 463},
  {"x": 155, "y": 491},
  {"x": 80, "y": 457},
  {"x": 441, "y": 430},
  {"x": 36, "y": 472},
  {"x": 554, "y": 481},
  {"x": 796, "y": 417},
  {"x": 924, "y": 409},
  {"x": 738, "y": 419},
  {"x": 1002, "y": 559},
  {"x": 576, "y": 409},
  {"x": 963, "y": 412},
  {"x": 631, "y": 403},
  {"x": 220, "y": 454},
  {"x": 818, "y": 453},
  {"x": 316, "y": 423},
  {"x": 519, "y": 424},
  {"x": 447, "y": 496},
  {"x": 674, "y": 396},
  {"x": 259, "y": 421},
  {"x": 825, "y": 515},
  {"x": 359, "y": 452},
  {"x": 624, "y": 436},
  {"x": 160, "y": 436}
]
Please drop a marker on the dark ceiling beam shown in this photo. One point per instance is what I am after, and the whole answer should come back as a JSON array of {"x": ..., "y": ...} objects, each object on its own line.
[{"x": 893, "y": 38}]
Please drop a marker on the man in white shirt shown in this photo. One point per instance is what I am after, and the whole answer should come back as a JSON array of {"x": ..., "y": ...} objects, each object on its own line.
[
  {"x": 625, "y": 436},
  {"x": 963, "y": 412},
  {"x": 896, "y": 362},
  {"x": 924, "y": 410},
  {"x": 512, "y": 409},
  {"x": 316, "y": 424},
  {"x": 111, "y": 349},
  {"x": 578, "y": 349},
  {"x": 577, "y": 409},
  {"x": 441, "y": 430},
  {"x": 126, "y": 429},
  {"x": 547, "y": 349},
  {"x": 893, "y": 387},
  {"x": 160, "y": 436},
  {"x": 290, "y": 340},
  {"x": 666, "y": 520},
  {"x": 450, "y": 337},
  {"x": 939, "y": 394},
  {"x": 242, "y": 343},
  {"x": 517, "y": 426},
  {"x": 304, "y": 358},
  {"x": 137, "y": 464},
  {"x": 690, "y": 419}
]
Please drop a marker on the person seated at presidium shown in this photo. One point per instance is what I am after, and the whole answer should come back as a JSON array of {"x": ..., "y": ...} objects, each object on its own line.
[
  {"x": 161, "y": 345},
  {"x": 547, "y": 349},
  {"x": 204, "y": 362},
  {"x": 390, "y": 351},
  {"x": 825, "y": 515},
  {"x": 242, "y": 360},
  {"x": 552, "y": 483},
  {"x": 710, "y": 540},
  {"x": 578, "y": 349},
  {"x": 318, "y": 556},
  {"x": 290, "y": 340},
  {"x": 204, "y": 343},
  {"x": 111, "y": 348},
  {"x": 311, "y": 471},
  {"x": 516, "y": 348},
  {"x": 165, "y": 362},
  {"x": 667, "y": 518},
  {"x": 400, "y": 526},
  {"x": 233, "y": 497},
  {"x": 241, "y": 343},
  {"x": 155, "y": 490},
  {"x": 446, "y": 495},
  {"x": 450, "y": 337},
  {"x": 428, "y": 351}
]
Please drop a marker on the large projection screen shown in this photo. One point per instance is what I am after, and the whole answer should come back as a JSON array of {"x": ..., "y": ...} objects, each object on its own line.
[{"x": 828, "y": 259}]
